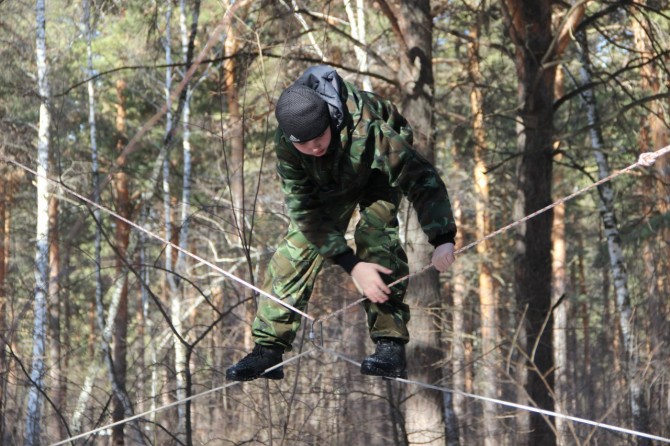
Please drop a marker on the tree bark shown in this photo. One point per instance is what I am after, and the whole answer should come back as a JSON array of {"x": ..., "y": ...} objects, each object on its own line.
[
  {"x": 655, "y": 190},
  {"x": 171, "y": 285},
  {"x": 35, "y": 395},
  {"x": 560, "y": 304},
  {"x": 357, "y": 24},
  {"x": 181, "y": 353},
  {"x": 560, "y": 329},
  {"x": 459, "y": 364},
  {"x": 86, "y": 392},
  {"x": 638, "y": 404},
  {"x": 424, "y": 410},
  {"x": 57, "y": 375},
  {"x": 529, "y": 27},
  {"x": 122, "y": 237},
  {"x": 3, "y": 304},
  {"x": 235, "y": 169},
  {"x": 488, "y": 299}
]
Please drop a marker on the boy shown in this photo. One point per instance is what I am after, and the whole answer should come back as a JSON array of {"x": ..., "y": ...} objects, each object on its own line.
[{"x": 339, "y": 148}]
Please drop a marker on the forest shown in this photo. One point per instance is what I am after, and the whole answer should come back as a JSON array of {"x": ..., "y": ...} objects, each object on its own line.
[{"x": 140, "y": 205}]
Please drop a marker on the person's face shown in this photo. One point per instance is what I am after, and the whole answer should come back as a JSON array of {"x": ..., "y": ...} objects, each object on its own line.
[{"x": 317, "y": 146}]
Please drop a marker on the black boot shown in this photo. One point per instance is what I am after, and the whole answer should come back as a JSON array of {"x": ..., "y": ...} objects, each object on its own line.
[
  {"x": 255, "y": 363},
  {"x": 388, "y": 360}
]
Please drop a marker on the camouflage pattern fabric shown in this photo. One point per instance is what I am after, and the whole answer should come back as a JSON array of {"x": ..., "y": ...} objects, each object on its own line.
[
  {"x": 370, "y": 163},
  {"x": 375, "y": 138},
  {"x": 297, "y": 262}
]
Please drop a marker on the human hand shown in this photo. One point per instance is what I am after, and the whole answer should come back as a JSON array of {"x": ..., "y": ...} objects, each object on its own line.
[
  {"x": 443, "y": 257},
  {"x": 368, "y": 281}
]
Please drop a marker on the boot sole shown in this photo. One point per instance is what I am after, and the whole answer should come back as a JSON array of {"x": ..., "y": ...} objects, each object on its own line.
[
  {"x": 375, "y": 371},
  {"x": 275, "y": 374}
]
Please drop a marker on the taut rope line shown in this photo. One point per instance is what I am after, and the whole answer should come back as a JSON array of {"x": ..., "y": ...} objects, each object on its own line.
[
  {"x": 646, "y": 159},
  {"x": 158, "y": 237},
  {"x": 172, "y": 404},
  {"x": 508, "y": 403}
]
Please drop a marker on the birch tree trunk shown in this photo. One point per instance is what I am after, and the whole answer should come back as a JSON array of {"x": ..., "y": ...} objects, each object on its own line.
[
  {"x": 181, "y": 365},
  {"x": 170, "y": 254},
  {"x": 87, "y": 388},
  {"x": 35, "y": 396},
  {"x": 308, "y": 30},
  {"x": 638, "y": 405},
  {"x": 357, "y": 23},
  {"x": 424, "y": 410},
  {"x": 186, "y": 137}
]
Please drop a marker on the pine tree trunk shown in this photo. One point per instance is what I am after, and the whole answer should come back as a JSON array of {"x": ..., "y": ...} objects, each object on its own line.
[
  {"x": 655, "y": 191},
  {"x": 424, "y": 410},
  {"x": 560, "y": 304},
  {"x": 560, "y": 331},
  {"x": 638, "y": 405},
  {"x": 35, "y": 396},
  {"x": 461, "y": 344},
  {"x": 488, "y": 300},
  {"x": 236, "y": 169},
  {"x": 122, "y": 235},
  {"x": 529, "y": 23},
  {"x": 57, "y": 376}
]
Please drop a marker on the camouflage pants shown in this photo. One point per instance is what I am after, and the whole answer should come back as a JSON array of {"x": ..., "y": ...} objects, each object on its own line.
[{"x": 296, "y": 263}]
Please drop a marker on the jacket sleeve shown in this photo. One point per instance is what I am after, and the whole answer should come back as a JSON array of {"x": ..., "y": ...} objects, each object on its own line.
[
  {"x": 413, "y": 174},
  {"x": 304, "y": 207}
]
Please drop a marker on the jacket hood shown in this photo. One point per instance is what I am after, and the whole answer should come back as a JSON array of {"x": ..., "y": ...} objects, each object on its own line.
[{"x": 329, "y": 85}]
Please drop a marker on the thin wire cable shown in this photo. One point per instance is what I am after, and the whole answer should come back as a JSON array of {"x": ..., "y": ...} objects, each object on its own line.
[
  {"x": 158, "y": 237},
  {"x": 510, "y": 404},
  {"x": 646, "y": 159},
  {"x": 175, "y": 403}
]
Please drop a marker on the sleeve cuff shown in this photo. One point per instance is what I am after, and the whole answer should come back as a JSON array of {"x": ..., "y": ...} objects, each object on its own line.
[
  {"x": 449, "y": 237},
  {"x": 347, "y": 260}
]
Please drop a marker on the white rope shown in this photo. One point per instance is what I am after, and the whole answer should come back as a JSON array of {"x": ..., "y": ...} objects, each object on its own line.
[
  {"x": 514, "y": 405},
  {"x": 158, "y": 237},
  {"x": 645, "y": 159},
  {"x": 176, "y": 403},
  {"x": 550, "y": 413}
]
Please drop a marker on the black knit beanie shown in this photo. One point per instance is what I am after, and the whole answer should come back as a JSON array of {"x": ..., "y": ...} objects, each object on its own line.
[{"x": 301, "y": 113}]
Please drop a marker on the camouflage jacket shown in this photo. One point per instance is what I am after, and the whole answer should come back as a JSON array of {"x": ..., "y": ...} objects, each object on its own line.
[{"x": 368, "y": 133}]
